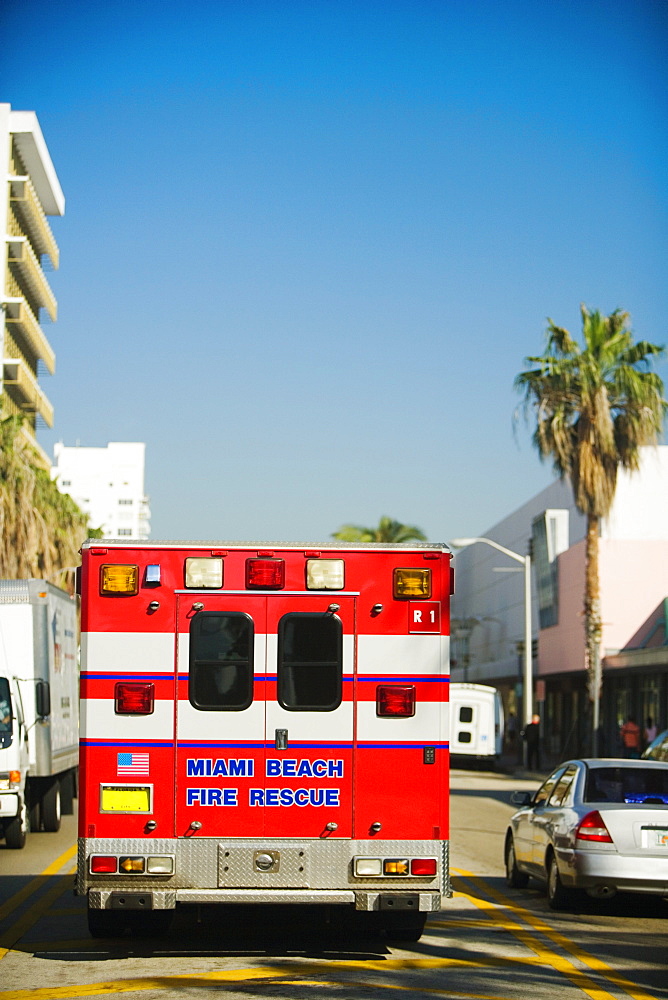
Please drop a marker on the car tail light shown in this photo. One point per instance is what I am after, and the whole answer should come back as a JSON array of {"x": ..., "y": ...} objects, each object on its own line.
[
  {"x": 265, "y": 573},
  {"x": 395, "y": 700},
  {"x": 134, "y": 699},
  {"x": 592, "y": 827}
]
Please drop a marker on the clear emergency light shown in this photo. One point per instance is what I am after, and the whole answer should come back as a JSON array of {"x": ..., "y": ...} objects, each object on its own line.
[
  {"x": 265, "y": 572},
  {"x": 325, "y": 574},
  {"x": 395, "y": 701},
  {"x": 134, "y": 699},
  {"x": 204, "y": 572},
  {"x": 117, "y": 580},
  {"x": 412, "y": 583}
]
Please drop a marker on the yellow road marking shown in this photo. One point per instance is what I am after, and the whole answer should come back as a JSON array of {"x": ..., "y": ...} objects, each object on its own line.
[
  {"x": 596, "y": 964},
  {"x": 279, "y": 974},
  {"x": 37, "y": 910},
  {"x": 545, "y": 955},
  {"x": 11, "y": 904}
]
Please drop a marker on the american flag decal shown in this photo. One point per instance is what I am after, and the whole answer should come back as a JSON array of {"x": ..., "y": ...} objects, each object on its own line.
[{"x": 132, "y": 763}]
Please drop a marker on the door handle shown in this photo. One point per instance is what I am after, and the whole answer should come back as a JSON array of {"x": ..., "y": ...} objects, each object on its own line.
[{"x": 281, "y": 739}]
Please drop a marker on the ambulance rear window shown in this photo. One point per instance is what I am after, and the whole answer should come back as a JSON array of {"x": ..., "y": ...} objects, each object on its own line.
[
  {"x": 310, "y": 662},
  {"x": 221, "y": 661}
]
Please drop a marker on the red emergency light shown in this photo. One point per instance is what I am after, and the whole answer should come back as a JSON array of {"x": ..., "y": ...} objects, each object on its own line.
[
  {"x": 269, "y": 573},
  {"x": 134, "y": 699},
  {"x": 395, "y": 700}
]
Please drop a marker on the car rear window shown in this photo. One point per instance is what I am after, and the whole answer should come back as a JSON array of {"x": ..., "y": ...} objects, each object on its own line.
[{"x": 627, "y": 784}]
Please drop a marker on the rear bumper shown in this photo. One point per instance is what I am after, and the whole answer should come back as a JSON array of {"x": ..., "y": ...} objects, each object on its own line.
[
  {"x": 260, "y": 871},
  {"x": 9, "y": 804},
  {"x": 104, "y": 899},
  {"x": 591, "y": 870}
]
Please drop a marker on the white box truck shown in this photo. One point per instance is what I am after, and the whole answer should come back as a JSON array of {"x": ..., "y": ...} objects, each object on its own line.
[
  {"x": 39, "y": 707},
  {"x": 476, "y": 722}
]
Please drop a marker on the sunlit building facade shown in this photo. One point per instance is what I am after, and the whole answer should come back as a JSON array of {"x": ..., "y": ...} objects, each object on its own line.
[
  {"x": 107, "y": 483},
  {"x": 489, "y": 609},
  {"x": 31, "y": 193}
]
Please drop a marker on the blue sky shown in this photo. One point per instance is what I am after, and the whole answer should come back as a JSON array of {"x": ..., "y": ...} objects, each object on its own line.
[{"x": 308, "y": 245}]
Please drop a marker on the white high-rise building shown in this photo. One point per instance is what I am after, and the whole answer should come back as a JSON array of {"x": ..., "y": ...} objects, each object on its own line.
[
  {"x": 107, "y": 483},
  {"x": 30, "y": 191}
]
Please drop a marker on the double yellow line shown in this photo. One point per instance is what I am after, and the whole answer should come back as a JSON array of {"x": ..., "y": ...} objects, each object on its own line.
[
  {"x": 558, "y": 961},
  {"x": 39, "y": 908}
]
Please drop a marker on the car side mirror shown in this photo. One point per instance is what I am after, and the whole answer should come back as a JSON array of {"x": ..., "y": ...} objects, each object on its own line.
[{"x": 521, "y": 798}]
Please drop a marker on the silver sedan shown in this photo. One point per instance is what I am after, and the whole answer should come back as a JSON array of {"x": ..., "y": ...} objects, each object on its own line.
[{"x": 600, "y": 825}]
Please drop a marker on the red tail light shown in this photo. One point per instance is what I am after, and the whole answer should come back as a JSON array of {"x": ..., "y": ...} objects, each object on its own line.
[
  {"x": 423, "y": 866},
  {"x": 395, "y": 700},
  {"x": 265, "y": 573},
  {"x": 134, "y": 699},
  {"x": 592, "y": 827},
  {"x": 103, "y": 864}
]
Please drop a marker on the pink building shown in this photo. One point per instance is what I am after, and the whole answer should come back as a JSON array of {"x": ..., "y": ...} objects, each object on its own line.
[{"x": 634, "y": 599}]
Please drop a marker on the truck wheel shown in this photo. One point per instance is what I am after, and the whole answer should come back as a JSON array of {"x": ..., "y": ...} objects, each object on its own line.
[
  {"x": 154, "y": 923},
  {"x": 16, "y": 830},
  {"x": 51, "y": 808},
  {"x": 404, "y": 926},
  {"x": 67, "y": 794},
  {"x": 35, "y": 816},
  {"x": 106, "y": 923}
]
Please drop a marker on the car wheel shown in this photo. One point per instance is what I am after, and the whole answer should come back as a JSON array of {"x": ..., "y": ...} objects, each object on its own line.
[
  {"x": 557, "y": 896},
  {"x": 514, "y": 877}
]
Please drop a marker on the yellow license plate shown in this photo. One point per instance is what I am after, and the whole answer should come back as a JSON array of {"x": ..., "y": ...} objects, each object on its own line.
[{"x": 125, "y": 798}]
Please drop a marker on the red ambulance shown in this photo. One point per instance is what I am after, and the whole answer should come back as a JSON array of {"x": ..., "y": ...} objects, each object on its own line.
[{"x": 263, "y": 723}]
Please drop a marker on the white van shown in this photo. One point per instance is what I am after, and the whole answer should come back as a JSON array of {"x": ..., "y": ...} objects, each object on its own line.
[{"x": 476, "y": 722}]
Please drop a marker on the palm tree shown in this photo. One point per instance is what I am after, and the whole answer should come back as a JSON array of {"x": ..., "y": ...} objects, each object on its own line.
[
  {"x": 41, "y": 529},
  {"x": 387, "y": 531},
  {"x": 595, "y": 407}
]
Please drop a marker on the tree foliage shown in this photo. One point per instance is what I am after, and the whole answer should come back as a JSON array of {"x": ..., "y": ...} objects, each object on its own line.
[
  {"x": 41, "y": 529},
  {"x": 387, "y": 530},
  {"x": 595, "y": 405}
]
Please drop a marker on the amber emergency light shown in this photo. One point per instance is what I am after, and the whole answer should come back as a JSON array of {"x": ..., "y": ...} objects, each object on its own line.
[
  {"x": 412, "y": 582},
  {"x": 118, "y": 580}
]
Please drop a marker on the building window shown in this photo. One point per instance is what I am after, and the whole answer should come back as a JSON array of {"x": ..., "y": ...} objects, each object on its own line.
[
  {"x": 125, "y": 503},
  {"x": 125, "y": 531}
]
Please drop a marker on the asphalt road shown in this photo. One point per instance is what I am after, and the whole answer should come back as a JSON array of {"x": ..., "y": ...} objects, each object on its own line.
[{"x": 489, "y": 942}]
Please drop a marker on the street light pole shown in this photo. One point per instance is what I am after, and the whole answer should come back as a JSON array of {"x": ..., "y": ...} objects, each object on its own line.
[{"x": 527, "y": 700}]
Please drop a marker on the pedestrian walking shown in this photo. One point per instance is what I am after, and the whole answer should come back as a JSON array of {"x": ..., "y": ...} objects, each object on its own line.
[
  {"x": 532, "y": 739},
  {"x": 650, "y": 730}
]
